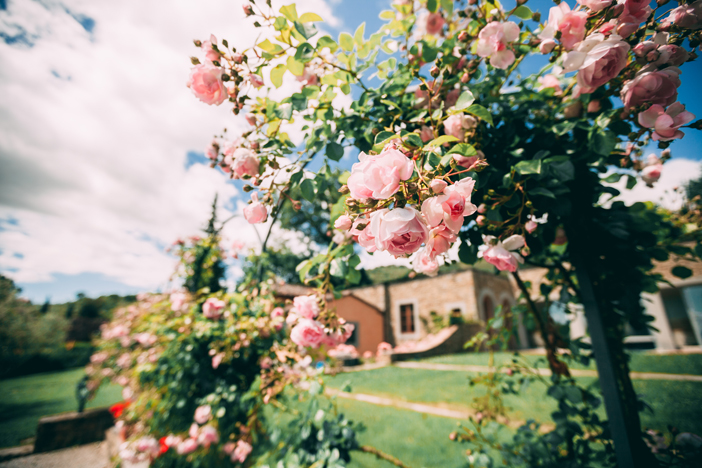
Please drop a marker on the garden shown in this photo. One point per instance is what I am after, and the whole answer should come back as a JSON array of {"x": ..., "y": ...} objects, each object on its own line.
[{"x": 459, "y": 158}]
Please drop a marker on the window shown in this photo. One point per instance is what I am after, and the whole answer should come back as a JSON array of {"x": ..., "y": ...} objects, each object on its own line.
[
  {"x": 353, "y": 339},
  {"x": 407, "y": 318}
]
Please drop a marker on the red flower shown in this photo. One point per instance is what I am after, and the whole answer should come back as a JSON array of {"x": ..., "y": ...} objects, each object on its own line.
[
  {"x": 163, "y": 447},
  {"x": 118, "y": 408}
]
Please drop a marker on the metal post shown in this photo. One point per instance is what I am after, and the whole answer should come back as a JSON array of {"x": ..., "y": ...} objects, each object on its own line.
[{"x": 628, "y": 443}]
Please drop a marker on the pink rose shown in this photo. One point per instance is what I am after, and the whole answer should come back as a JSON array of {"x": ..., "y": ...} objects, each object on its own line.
[
  {"x": 212, "y": 308},
  {"x": 595, "y": 5},
  {"x": 242, "y": 450},
  {"x": 307, "y": 333},
  {"x": 598, "y": 59},
  {"x": 343, "y": 223},
  {"x": 437, "y": 185},
  {"x": 451, "y": 206},
  {"x": 400, "y": 231},
  {"x": 426, "y": 134},
  {"x": 366, "y": 239},
  {"x": 452, "y": 98},
  {"x": 546, "y": 46},
  {"x": 177, "y": 301},
  {"x": 187, "y": 446},
  {"x": 210, "y": 53},
  {"x": 550, "y": 81},
  {"x": 208, "y": 436},
  {"x": 306, "y": 306},
  {"x": 435, "y": 23},
  {"x": 440, "y": 240},
  {"x": 125, "y": 360},
  {"x": 666, "y": 123},
  {"x": 530, "y": 226},
  {"x": 217, "y": 360},
  {"x": 277, "y": 312},
  {"x": 379, "y": 177},
  {"x": 457, "y": 124},
  {"x": 248, "y": 10},
  {"x": 255, "y": 80},
  {"x": 652, "y": 173},
  {"x": 687, "y": 16},
  {"x": 493, "y": 40},
  {"x": 255, "y": 212},
  {"x": 672, "y": 55},
  {"x": 652, "y": 86},
  {"x": 251, "y": 119},
  {"x": 237, "y": 57},
  {"x": 205, "y": 82},
  {"x": 499, "y": 255},
  {"x": 594, "y": 105},
  {"x": 571, "y": 25},
  {"x": 426, "y": 263},
  {"x": 203, "y": 414},
  {"x": 308, "y": 78},
  {"x": 148, "y": 445},
  {"x": 244, "y": 162}
]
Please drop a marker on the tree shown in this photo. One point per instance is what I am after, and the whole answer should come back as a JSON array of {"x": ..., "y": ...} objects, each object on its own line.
[{"x": 45, "y": 307}]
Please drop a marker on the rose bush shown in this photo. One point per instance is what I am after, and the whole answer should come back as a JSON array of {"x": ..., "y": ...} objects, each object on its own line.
[{"x": 448, "y": 125}]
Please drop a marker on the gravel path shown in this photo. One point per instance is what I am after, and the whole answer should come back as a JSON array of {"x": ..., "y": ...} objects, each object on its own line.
[{"x": 84, "y": 456}]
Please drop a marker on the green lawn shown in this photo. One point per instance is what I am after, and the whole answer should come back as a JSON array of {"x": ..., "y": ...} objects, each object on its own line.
[
  {"x": 418, "y": 440},
  {"x": 640, "y": 361},
  {"x": 26, "y": 399},
  {"x": 673, "y": 402}
]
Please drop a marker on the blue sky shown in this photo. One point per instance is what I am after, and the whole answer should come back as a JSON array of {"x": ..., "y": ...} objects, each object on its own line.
[{"x": 102, "y": 145}]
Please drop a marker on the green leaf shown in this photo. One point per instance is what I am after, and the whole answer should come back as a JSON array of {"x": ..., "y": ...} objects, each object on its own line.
[
  {"x": 310, "y": 18},
  {"x": 326, "y": 41},
  {"x": 390, "y": 103},
  {"x": 277, "y": 75},
  {"x": 480, "y": 112},
  {"x": 681, "y": 272},
  {"x": 467, "y": 253},
  {"x": 346, "y": 41},
  {"x": 542, "y": 191},
  {"x": 563, "y": 128},
  {"x": 528, "y": 167},
  {"x": 630, "y": 182},
  {"x": 602, "y": 142},
  {"x": 289, "y": 12},
  {"x": 354, "y": 276},
  {"x": 612, "y": 178},
  {"x": 414, "y": 140},
  {"x": 561, "y": 168},
  {"x": 306, "y": 29},
  {"x": 358, "y": 35},
  {"x": 464, "y": 100},
  {"x": 268, "y": 46},
  {"x": 304, "y": 53},
  {"x": 446, "y": 160},
  {"x": 283, "y": 111},
  {"x": 335, "y": 151},
  {"x": 523, "y": 12},
  {"x": 296, "y": 177},
  {"x": 440, "y": 141},
  {"x": 387, "y": 15},
  {"x": 463, "y": 149},
  {"x": 432, "y": 5},
  {"x": 447, "y": 5},
  {"x": 280, "y": 23},
  {"x": 381, "y": 137},
  {"x": 698, "y": 250},
  {"x": 307, "y": 189},
  {"x": 295, "y": 67},
  {"x": 299, "y": 101}
]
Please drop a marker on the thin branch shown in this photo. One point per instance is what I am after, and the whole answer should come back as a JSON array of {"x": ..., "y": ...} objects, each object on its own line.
[
  {"x": 557, "y": 366},
  {"x": 382, "y": 455}
]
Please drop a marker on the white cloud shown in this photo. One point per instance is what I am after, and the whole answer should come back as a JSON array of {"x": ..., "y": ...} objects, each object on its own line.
[
  {"x": 676, "y": 173},
  {"x": 95, "y": 130}
]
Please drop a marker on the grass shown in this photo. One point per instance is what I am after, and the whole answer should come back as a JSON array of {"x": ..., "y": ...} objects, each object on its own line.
[
  {"x": 640, "y": 361},
  {"x": 418, "y": 440},
  {"x": 27, "y": 399},
  {"x": 673, "y": 402}
]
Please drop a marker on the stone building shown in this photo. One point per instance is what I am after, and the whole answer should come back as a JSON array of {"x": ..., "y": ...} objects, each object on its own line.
[{"x": 410, "y": 306}]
